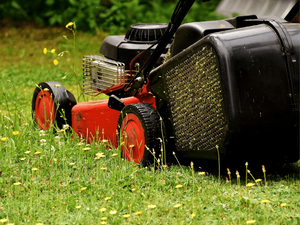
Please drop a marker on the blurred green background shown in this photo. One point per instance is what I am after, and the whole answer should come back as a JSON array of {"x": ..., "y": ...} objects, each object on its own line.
[
  {"x": 27, "y": 27},
  {"x": 113, "y": 16}
]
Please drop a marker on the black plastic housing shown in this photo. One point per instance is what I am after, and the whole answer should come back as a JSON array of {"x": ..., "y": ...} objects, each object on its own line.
[
  {"x": 189, "y": 33},
  {"x": 258, "y": 72}
]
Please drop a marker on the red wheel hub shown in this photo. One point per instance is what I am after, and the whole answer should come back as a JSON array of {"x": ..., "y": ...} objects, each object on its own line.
[
  {"x": 132, "y": 133},
  {"x": 44, "y": 109}
]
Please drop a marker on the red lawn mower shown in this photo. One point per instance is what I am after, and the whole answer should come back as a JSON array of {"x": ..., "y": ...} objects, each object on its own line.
[{"x": 231, "y": 85}]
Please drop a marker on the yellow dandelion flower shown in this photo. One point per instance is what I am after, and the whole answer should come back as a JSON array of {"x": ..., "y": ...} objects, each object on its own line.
[
  {"x": 35, "y": 169},
  {"x": 22, "y": 159},
  {"x": 133, "y": 190},
  {"x": 78, "y": 207},
  {"x": 103, "y": 168},
  {"x": 46, "y": 89},
  {"x": 4, "y": 139},
  {"x": 258, "y": 180},
  {"x": 250, "y": 221},
  {"x": 103, "y": 222},
  {"x": 114, "y": 155},
  {"x": 27, "y": 152},
  {"x": 4, "y": 220},
  {"x": 250, "y": 184},
  {"x": 102, "y": 209},
  {"x": 201, "y": 173},
  {"x": 45, "y": 50},
  {"x": 126, "y": 215},
  {"x": 283, "y": 204},
  {"x": 71, "y": 164},
  {"x": 151, "y": 206},
  {"x": 265, "y": 201},
  {"x": 99, "y": 153},
  {"x": 39, "y": 224},
  {"x": 112, "y": 212},
  {"x": 107, "y": 198},
  {"x": 55, "y": 159},
  {"x": 55, "y": 62},
  {"x": 53, "y": 51},
  {"x": 138, "y": 213},
  {"x": 16, "y": 132},
  {"x": 37, "y": 153},
  {"x": 177, "y": 205},
  {"x": 104, "y": 218},
  {"x": 193, "y": 215},
  {"x": 57, "y": 85},
  {"x": 17, "y": 184},
  {"x": 178, "y": 186},
  {"x": 86, "y": 149},
  {"x": 164, "y": 166},
  {"x": 69, "y": 25},
  {"x": 83, "y": 189},
  {"x": 131, "y": 146}
]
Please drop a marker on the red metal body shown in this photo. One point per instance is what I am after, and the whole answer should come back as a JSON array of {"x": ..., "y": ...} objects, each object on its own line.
[{"x": 90, "y": 119}]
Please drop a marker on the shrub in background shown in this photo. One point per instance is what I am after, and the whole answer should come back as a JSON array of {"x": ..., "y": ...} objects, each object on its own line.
[{"x": 114, "y": 16}]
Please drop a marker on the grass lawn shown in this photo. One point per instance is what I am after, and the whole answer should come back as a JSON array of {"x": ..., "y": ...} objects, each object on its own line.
[{"x": 53, "y": 178}]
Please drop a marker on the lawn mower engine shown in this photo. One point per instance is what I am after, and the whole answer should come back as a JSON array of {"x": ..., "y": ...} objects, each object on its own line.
[
  {"x": 229, "y": 86},
  {"x": 111, "y": 73}
]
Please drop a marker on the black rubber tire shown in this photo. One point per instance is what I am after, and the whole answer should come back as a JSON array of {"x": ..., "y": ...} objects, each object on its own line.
[
  {"x": 63, "y": 102},
  {"x": 151, "y": 125}
]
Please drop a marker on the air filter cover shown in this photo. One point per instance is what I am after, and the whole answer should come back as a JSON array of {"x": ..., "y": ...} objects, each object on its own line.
[{"x": 145, "y": 33}]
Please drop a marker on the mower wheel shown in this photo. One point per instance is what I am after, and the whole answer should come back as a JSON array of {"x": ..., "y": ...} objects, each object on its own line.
[
  {"x": 139, "y": 131},
  {"x": 52, "y": 103}
]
